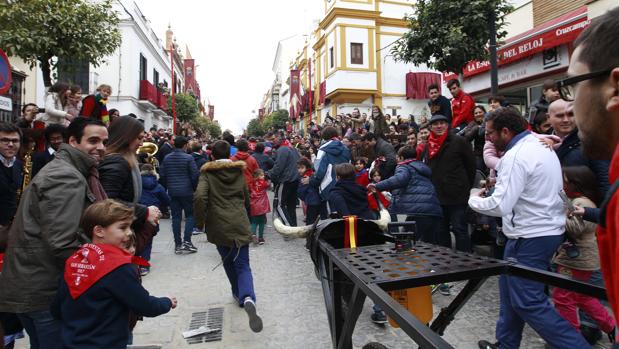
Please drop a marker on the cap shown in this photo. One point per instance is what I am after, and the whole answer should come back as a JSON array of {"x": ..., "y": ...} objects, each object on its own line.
[{"x": 438, "y": 117}]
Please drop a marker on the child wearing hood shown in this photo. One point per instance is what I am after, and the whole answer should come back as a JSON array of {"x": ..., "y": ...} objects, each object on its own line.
[
  {"x": 347, "y": 197},
  {"x": 153, "y": 194}
]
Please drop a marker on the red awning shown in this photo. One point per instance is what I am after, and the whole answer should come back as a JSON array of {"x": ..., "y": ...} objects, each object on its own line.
[
  {"x": 417, "y": 84},
  {"x": 559, "y": 31}
]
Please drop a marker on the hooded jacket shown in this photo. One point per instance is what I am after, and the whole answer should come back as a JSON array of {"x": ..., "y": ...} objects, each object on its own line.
[
  {"x": 221, "y": 203},
  {"x": 264, "y": 161},
  {"x": 413, "y": 192},
  {"x": 45, "y": 232},
  {"x": 285, "y": 168},
  {"x": 349, "y": 198},
  {"x": 330, "y": 154},
  {"x": 153, "y": 193},
  {"x": 251, "y": 165}
]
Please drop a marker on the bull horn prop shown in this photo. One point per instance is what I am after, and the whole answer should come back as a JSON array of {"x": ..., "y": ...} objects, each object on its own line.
[{"x": 302, "y": 231}]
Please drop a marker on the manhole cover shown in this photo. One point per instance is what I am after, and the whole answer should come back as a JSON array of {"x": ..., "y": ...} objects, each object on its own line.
[{"x": 212, "y": 318}]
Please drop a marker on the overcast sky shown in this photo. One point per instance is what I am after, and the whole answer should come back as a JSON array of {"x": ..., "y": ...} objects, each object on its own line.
[{"x": 234, "y": 44}]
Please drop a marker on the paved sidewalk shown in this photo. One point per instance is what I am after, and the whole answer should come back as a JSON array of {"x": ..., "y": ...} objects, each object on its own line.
[{"x": 289, "y": 299}]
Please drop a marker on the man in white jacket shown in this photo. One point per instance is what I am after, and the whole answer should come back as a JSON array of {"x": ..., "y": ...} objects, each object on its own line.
[{"x": 527, "y": 197}]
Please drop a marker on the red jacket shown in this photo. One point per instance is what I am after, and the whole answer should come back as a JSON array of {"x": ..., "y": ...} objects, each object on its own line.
[
  {"x": 462, "y": 109},
  {"x": 362, "y": 178},
  {"x": 608, "y": 239},
  {"x": 251, "y": 165}
]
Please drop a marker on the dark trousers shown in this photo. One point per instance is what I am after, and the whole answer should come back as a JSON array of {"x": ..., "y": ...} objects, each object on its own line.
[
  {"x": 236, "y": 265},
  {"x": 523, "y": 300},
  {"x": 315, "y": 211},
  {"x": 288, "y": 201},
  {"x": 43, "y": 329},
  {"x": 454, "y": 216},
  {"x": 427, "y": 228},
  {"x": 178, "y": 204}
]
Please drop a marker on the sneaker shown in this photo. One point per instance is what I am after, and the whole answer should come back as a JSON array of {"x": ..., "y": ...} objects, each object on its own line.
[
  {"x": 484, "y": 344},
  {"x": 178, "y": 249},
  {"x": 189, "y": 247},
  {"x": 144, "y": 271},
  {"x": 255, "y": 322},
  {"x": 196, "y": 231},
  {"x": 591, "y": 334},
  {"x": 379, "y": 318},
  {"x": 261, "y": 241},
  {"x": 444, "y": 289}
]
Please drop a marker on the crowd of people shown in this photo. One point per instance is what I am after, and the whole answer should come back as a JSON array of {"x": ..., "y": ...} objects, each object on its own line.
[{"x": 82, "y": 200}]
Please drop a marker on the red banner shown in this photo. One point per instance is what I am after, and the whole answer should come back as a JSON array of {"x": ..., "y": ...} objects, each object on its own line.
[
  {"x": 563, "y": 30},
  {"x": 417, "y": 84},
  {"x": 295, "y": 93},
  {"x": 211, "y": 111},
  {"x": 323, "y": 92},
  {"x": 260, "y": 113}
]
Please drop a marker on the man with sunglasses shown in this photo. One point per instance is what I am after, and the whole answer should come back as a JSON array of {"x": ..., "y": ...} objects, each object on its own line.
[{"x": 593, "y": 86}]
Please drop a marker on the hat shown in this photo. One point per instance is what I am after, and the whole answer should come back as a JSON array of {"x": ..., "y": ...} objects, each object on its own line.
[{"x": 438, "y": 117}]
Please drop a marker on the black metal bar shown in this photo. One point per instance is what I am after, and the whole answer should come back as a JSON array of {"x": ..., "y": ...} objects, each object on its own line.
[
  {"x": 439, "y": 278},
  {"x": 355, "y": 306},
  {"x": 557, "y": 280},
  {"x": 326, "y": 287},
  {"x": 447, "y": 314},
  {"x": 336, "y": 301}
]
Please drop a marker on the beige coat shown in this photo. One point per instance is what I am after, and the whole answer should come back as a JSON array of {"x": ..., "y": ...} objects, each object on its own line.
[{"x": 583, "y": 233}]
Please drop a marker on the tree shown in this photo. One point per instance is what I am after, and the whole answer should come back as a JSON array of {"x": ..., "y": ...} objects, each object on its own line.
[
  {"x": 254, "y": 128},
  {"x": 214, "y": 129},
  {"x": 38, "y": 31},
  {"x": 276, "y": 120},
  {"x": 186, "y": 107},
  {"x": 204, "y": 126},
  {"x": 446, "y": 35}
]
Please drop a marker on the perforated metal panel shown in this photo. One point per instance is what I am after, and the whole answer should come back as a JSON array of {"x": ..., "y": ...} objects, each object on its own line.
[
  {"x": 211, "y": 318},
  {"x": 377, "y": 264}
]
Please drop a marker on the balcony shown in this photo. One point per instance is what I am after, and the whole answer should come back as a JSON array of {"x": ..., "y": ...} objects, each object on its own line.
[
  {"x": 162, "y": 101},
  {"x": 148, "y": 95}
]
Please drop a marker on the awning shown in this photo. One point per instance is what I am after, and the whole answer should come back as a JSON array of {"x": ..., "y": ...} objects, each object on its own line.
[{"x": 559, "y": 31}]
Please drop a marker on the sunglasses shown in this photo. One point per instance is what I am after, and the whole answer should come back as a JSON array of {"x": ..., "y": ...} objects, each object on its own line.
[{"x": 566, "y": 86}]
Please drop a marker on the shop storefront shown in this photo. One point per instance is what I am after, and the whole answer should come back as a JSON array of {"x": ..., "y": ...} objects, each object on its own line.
[{"x": 528, "y": 59}]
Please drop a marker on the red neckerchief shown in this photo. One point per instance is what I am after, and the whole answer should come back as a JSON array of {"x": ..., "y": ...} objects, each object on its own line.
[
  {"x": 308, "y": 173},
  {"x": 406, "y": 162},
  {"x": 285, "y": 143},
  {"x": 92, "y": 262},
  {"x": 435, "y": 143},
  {"x": 360, "y": 173}
]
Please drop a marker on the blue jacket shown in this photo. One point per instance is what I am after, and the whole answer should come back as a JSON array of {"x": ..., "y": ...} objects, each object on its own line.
[
  {"x": 441, "y": 106},
  {"x": 264, "y": 161},
  {"x": 413, "y": 191},
  {"x": 308, "y": 194},
  {"x": 99, "y": 318},
  {"x": 349, "y": 198},
  {"x": 179, "y": 174},
  {"x": 330, "y": 154},
  {"x": 570, "y": 154},
  {"x": 153, "y": 193},
  {"x": 199, "y": 159},
  {"x": 285, "y": 168}
]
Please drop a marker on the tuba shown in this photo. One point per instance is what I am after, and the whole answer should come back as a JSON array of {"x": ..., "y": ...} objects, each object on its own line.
[
  {"x": 150, "y": 149},
  {"x": 26, "y": 172}
]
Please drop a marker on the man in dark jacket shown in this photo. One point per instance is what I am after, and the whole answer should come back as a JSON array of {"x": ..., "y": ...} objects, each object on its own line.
[
  {"x": 330, "y": 154},
  {"x": 42, "y": 239},
  {"x": 179, "y": 174},
  {"x": 452, "y": 162},
  {"x": 10, "y": 171},
  {"x": 198, "y": 157},
  {"x": 438, "y": 103},
  {"x": 264, "y": 161},
  {"x": 165, "y": 148},
  {"x": 570, "y": 152},
  {"x": 54, "y": 135},
  {"x": 347, "y": 197},
  {"x": 285, "y": 174},
  {"x": 385, "y": 155}
]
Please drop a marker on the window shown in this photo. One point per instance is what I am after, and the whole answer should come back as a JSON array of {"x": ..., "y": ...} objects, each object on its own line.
[
  {"x": 356, "y": 53},
  {"x": 331, "y": 60},
  {"x": 155, "y": 77},
  {"x": 143, "y": 68}
]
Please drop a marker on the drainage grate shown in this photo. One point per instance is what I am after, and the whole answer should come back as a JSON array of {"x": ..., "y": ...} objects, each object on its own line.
[{"x": 212, "y": 318}]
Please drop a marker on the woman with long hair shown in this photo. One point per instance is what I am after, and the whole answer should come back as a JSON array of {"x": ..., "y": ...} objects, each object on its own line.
[
  {"x": 378, "y": 124},
  {"x": 120, "y": 175},
  {"x": 56, "y": 104}
]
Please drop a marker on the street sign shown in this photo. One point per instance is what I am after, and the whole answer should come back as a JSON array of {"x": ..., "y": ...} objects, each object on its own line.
[
  {"x": 5, "y": 73},
  {"x": 6, "y": 104}
]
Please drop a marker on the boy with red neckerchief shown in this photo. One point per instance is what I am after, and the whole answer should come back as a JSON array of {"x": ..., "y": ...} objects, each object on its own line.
[{"x": 100, "y": 286}]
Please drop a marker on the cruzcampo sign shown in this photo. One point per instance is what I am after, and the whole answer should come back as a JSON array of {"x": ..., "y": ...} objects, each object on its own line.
[{"x": 5, "y": 73}]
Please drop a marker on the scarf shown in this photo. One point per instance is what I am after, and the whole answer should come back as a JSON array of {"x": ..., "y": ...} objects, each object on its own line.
[
  {"x": 92, "y": 262},
  {"x": 435, "y": 143},
  {"x": 105, "y": 117},
  {"x": 285, "y": 143},
  {"x": 95, "y": 185}
]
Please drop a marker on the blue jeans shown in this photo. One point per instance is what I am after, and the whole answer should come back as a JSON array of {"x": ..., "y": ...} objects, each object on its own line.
[
  {"x": 454, "y": 215},
  {"x": 43, "y": 329},
  {"x": 177, "y": 206},
  {"x": 236, "y": 265},
  {"x": 524, "y": 300}
]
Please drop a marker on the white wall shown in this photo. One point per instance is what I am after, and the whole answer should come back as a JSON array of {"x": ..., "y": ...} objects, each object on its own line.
[
  {"x": 395, "y": 10},
  {"x": 344, "y": 79},
  {"x": 357, "y": 35},
  {"x": 520, "y": 20}
]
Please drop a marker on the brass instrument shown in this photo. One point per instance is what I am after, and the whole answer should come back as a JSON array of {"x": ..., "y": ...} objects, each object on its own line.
[
  {"x": 26, "y": 172},
  {"x": 150, "y": 149}
]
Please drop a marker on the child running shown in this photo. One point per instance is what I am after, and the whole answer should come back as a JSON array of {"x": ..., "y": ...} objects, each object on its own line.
[
  {"x": 259, "y": 205},
  {"x": 100, "y": 286},
  {"x": 223, "y": 196}
]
